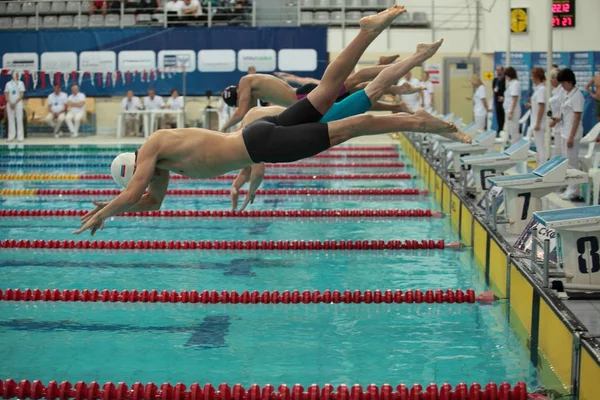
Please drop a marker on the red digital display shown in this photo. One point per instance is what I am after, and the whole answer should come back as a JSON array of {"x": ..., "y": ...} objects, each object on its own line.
[{"x": 563, "y": 13}]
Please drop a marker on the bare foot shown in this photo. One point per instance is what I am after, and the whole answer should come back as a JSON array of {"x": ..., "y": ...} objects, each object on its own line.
[
  {"x": 387, "y": 60},
  {"x": 428, "y": 50},
  {"x": 431, "y": 124},
  {"x": 379, "y": 22}
]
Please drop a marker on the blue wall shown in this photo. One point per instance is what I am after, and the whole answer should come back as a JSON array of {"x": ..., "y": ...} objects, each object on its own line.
[{"x": 157, "y": 39}]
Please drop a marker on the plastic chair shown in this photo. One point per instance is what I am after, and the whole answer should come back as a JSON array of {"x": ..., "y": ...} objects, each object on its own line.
[
  {"x": 96, "y": 21},
  {"x": 352, "y": 17},
  {"x": 65, "y": 21},
  {"x": 44, "y": 7},
  {"x": 28, "y": 8},
  {"x": 403, "y": 19},
  {"x": 13, "y": 7},
  {"x": 2, "y": 8},
  {"x": 354, "y": 4},
  {"x": 143, "y": 18},
  {"x": 321, "y": 3},
  {"x": 31, "y": 22},
  {"x": 112, "y": 20},
  {"x": 419, "y": 18},
  {"x": 307, "y": 17},
  {"x": 128, "y": 20},
  {"x": 336, "y": 18},
  {"x": 322, "y": 17},
  {"x": 73, "y": 7},
  {"x": 19, "y": 23},
  {"x": 58, "y": 7},
  {"x": 82, "y": 21},
  {"x": 336, "y": 3},
  {"x": 5, "y": 23},
  {"x": 590, "y": 140},
  {"x": 307, "y": 3}
]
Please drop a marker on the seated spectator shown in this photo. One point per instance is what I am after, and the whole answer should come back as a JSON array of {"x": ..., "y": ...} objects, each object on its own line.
[
  {"x": 57, "y": 104},
  {"x": 98, "y": 6},
  {"x": 3, "y": 118},
  {"x": 76, "y": 110},
  {"x": 154, "y": 102},
  {"x": 241, "y": 12},
  {"x": 148, "y": 5},
  {"x": 173, "y": 5},
  {"x": 175, "y": 102},
  {"x": 190, "y": 10},
  {"x": 132, "y": 120}
]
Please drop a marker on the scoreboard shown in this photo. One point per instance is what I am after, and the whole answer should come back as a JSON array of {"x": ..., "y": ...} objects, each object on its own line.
[{"x": 563, "y": 13}]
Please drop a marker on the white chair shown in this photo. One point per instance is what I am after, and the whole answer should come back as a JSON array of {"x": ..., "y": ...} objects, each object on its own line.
[
  {"x": 65, "y": 21},
  {"x": 307, "y": 3},
  {"x": 31, "y": 23},
  {"x": 308, "y": 17},
  {"x": 354, "y": 4},
  {"x": 322, "y": 3},
  {"x": 96, "y": 21},
  {"x": 81, "y": 21},
  {"x": 5, "y": 23},
  {"x": 144, "y": 18},
  {"x": 590, "y": 140},
  {"x": 13, "y": 7},
  {"x": 128, "y": 20},
  {"x": 352, "y": 17},
  {"x": 50, "y": 22},
  {"x": 159, "y": 17},
  {"x": 376, "y": 3},
  {"x": 403, "y": 19},
  {"x": 420, "y": 18},
  {"x": 28, "y": 8},
  {"x": 336, "y": 18},
  {"x": 112, "y": 21},
  {"x": 73, "y": 7},
  {"x": 58, "y": 7},
  {"x": 19, "y": 23},
  {"x": 322, "y": 17},
  {"x": 44, "y": 7},
  {"x": 2, "y": 8},
  {"x": 336, "y": 3}
]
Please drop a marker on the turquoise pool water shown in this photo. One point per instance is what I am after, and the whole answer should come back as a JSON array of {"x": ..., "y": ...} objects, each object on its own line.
[{"x": 324, "y": 343}]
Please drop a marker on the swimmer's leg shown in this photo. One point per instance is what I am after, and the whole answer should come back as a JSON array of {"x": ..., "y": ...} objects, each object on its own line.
[
  {"x": 393, "y": 73},
  {"x": 364, "y": 125},
  {"x": 323, "y": 97},
  {"x": 356, "y": 81}
]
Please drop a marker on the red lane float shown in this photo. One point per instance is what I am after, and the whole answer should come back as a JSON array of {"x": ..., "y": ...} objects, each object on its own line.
[
  {"x": 391, "y": 213},
  {"x": 281, "y": 177},
  {"x": 246, "y": 297},
  {"x": 226, "y": 192},
  {"x": 230, "y": 244},
  {"x": 109, "y": 391},
  {"x": 337, "y": 165},
  {"x": 364, "y": 148}
]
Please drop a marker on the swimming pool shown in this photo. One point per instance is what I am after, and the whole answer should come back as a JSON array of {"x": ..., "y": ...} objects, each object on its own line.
[{"x": 245, "y": 343}]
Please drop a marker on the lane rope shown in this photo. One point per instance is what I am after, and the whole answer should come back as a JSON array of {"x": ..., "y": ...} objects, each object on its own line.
[
  {"x": 221, "y": 192},
  {"x": 250, "y": 297},
  {"x": 364, "y": 213},
  {"x": 110, "y": 157},
  {"x": 228, "y": 177},
  {"x": 150, "y": 391},
  {"x": 231, "y": 244},
  {"x": 329, "y": 166},
  {"x": 65, "y": 148}
]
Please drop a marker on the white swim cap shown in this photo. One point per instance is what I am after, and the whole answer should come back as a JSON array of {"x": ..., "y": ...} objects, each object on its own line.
[{"x": 122, "y": 167}]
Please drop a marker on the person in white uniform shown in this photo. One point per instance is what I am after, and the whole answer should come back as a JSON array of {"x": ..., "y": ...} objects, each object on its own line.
[
  {"x": 175, "y": 103},
  {"x": 480, "y": 105},
  {"x": 76, "y": 110},
  {"x": 57, "y": 104},
  {"x": 571, "y": 112},
  {"x": 537, "y": 119},
  {"x": 154, "y": 102},
  {"x": 512, "y": 104},
  {"x": 556, "y": 100},
  {"x": 413, "y": 100},
  {"x": 14, "y": 92},
  {"x": 427, "y": 94},
  {"x": 132, "y": 120}
]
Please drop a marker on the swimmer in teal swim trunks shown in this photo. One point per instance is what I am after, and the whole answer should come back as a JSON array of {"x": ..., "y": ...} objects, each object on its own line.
[{"x": 294, "y": 134}]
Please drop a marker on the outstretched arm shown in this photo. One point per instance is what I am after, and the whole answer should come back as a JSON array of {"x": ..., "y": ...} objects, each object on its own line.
[
  {"x": 133, "y": 197},
  {"x": 299, "y": 80},
  {"x": 243, "y": 106}
]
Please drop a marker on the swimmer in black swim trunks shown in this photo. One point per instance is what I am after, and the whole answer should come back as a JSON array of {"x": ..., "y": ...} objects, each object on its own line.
[
  {"x": 277, "y": 92},
  {"x": 290, "y": 136}
]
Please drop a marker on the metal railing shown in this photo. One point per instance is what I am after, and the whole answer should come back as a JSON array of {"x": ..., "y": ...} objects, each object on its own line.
[{"x": 48, "y": 14}]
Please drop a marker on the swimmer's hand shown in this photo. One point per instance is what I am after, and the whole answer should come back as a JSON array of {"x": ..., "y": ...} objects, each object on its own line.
[
  {"x": 99, "y": 206},
  {"x": 93, "y": 224},
  {"x": 235, "y": 194}
]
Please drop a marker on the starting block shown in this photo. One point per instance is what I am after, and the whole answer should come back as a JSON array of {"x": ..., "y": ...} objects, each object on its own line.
[
  {"x": 492, "y": 164},
  {"x": 455, "y": 151},
  {"x": 523, "y": 192},
  {"x": 578, "y": 230}
]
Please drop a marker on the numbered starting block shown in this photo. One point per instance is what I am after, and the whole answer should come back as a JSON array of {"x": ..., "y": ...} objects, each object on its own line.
[
  {"x": 578, "y": 230},
  {"x": 492, "y": 164},
  {"x": 455, "y": 151},
  {"x": 523, "y": 193}
]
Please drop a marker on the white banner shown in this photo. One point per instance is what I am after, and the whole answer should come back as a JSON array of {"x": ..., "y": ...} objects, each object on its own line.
[
  {"x": 297, "y": 60},
  {"x": 21, "y": 61},
  {"x": 97, "y": 61},
  {"x": 216, "y": 61},
  {"x": 177, "y": 59},
  {"x": 59, "y": 61},
  {"x": 137, "y": 60},
  {"x": 265, "y": 60}
]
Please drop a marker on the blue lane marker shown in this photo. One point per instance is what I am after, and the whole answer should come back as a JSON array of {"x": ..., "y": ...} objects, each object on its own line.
[{"x": 211, "y": 332}]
